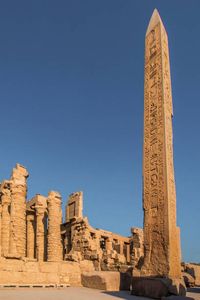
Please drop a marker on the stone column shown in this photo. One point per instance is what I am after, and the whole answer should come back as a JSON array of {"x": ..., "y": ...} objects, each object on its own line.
[
  {"x": 18, "y": 211},
  {"x": 40, "y": 232},
  {"x": 109, "y": 244},
  {"x": 121, "y": 243},
  {"x": 5, "y": 222},
  {"x": 54, "y": 247},
  {"x": 128, "y": 253},
  {"x": 31, "y": 235}
]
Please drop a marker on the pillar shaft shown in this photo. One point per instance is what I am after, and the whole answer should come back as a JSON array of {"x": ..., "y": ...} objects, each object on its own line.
[
  {"x": 31, "y": 235},
  {"x": 5, "y": 229},
  {"x": 54, "y": 248},
  {"x": 40, "y": 233},
  {"x": 18, "y": 209}
]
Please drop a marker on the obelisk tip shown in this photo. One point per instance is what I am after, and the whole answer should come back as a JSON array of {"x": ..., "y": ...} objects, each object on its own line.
[{"x": 155, "y": 19}]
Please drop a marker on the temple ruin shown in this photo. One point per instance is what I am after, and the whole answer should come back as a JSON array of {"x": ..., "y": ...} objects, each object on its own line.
[
  {"x": 38, "y": 246},
  {"x": 34, "y": 231}
]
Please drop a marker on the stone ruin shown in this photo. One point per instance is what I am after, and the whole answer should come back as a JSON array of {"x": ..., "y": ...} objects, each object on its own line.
[
  {"x": 33, "y": 232},
  {"x": 108, "y": 251},
  {"x": 37, "y": 247}
]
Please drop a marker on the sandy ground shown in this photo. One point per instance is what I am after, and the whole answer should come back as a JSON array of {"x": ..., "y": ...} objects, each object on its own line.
[{"x": 73, "y": 293}]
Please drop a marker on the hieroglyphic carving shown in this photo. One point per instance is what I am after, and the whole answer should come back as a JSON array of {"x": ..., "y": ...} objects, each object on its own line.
[{"x": 159, "y": 198}]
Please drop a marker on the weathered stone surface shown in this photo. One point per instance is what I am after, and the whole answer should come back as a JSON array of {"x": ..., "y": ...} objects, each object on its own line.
[
  {"x": 22, "y": 272},
  {"x": 107, "y": 281},
  {"x": 157, "y": 288},
  {"x": 41, "y": 227},
  {"x": 161, "y": 235},
  {"x": 74, "y": 208},
  {"x": 194, "y": 271},
  {"x": 5, "y": 217},
  {"x": 137, "y": 249},
  {"x": 18, "y": 188},
  {"x": 188, "y": 279},
  {"x": 54, "y": 248},
  {"x": 31, "y": 228}
]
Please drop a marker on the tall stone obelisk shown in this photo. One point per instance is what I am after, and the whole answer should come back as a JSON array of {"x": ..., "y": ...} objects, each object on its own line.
[{"x": 161, "y": 234}]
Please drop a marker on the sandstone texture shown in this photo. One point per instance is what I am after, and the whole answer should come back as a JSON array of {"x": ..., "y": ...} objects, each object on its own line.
[
  {"x": 155, "y": 287},
  {"x": 193, "y": 270},
  {"x": 36, "y": 247},
  {"x": 54, "y": 249},
  {"x": 162, "y": 255},
  {"x": 103, "y": 280}
]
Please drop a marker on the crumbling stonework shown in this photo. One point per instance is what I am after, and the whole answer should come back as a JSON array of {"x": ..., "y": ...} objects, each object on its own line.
[
  {"x": 47, "y": 239},
  {"x": 107, "y": 251},
  {"x": 74, "y": 209},
  {"x": 54, "y": 248},
  {"x": 5, "y": 217},
  {"x": 18, "y": 188},
  {"x": 137, "y": 248},
  {"x": 193, "y": 270}
]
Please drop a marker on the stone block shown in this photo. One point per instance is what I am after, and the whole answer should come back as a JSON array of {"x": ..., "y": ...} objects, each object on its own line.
[
  {"x": 86, "y": 266},
  {"x": 188, "y": 279},
  {"x": 11, "y": 265},
  {"x": 155, "y": 287},
  {"x": 48, "y": 267},
  {"x": 194, "y": 270},
  {"x": 31, "y": 267},
  {"x": 102, "y": 280},
  {"x": 53, "y": 278}
]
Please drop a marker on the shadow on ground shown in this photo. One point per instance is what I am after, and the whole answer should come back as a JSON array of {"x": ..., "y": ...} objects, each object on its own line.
[
  {"x": 194, "y": 290},
  {"x": 123, "y": 295}
]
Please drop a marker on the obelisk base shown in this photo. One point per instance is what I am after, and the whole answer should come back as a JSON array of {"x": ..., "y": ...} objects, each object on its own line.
[{"x": 157, "y": 287}]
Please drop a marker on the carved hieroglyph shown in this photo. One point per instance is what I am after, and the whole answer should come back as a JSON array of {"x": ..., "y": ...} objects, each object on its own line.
[{"x": 161, "y": 235}]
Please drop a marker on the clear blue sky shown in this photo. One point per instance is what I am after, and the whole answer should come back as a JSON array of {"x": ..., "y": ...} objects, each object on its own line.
[{"x": 71, "y": 90}]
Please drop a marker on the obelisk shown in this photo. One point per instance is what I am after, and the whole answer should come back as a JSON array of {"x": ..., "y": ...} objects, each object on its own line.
[
  {"x": 161, "y": 234},
  {"x": 162, "y": 257}
]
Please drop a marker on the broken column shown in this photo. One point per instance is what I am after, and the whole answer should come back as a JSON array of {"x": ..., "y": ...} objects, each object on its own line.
[
  {"x": 41, "y": 210},
  {"x": 5, "y": 220},
  {"x": 54, "y": 245},
  {"x": 18, "y": 210}
]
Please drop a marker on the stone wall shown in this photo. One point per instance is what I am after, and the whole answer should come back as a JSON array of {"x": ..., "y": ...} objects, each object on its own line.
[
  {"x": 31, "y": 272},
  {"x": 107, "y": 251}
]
